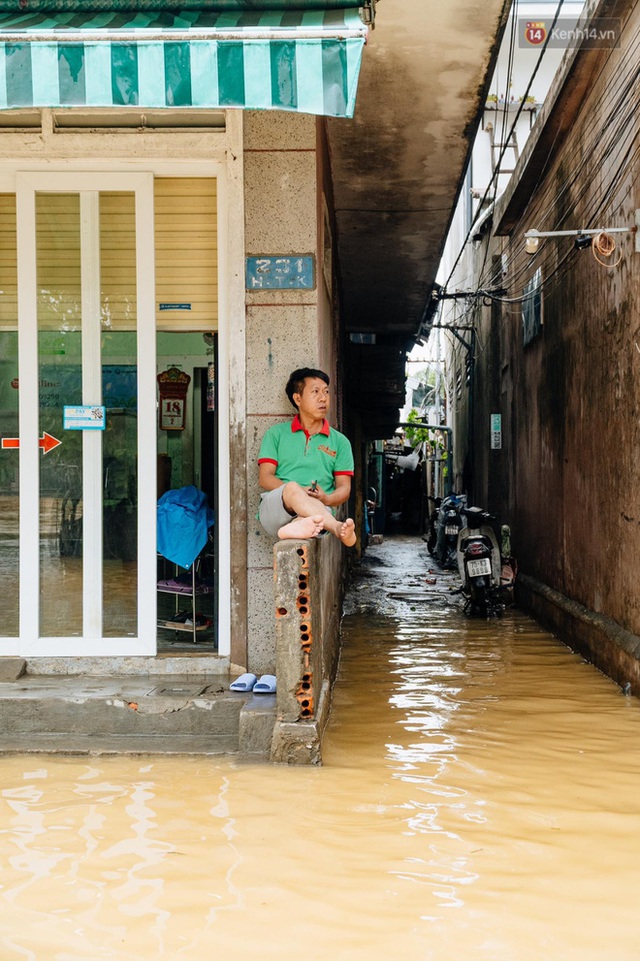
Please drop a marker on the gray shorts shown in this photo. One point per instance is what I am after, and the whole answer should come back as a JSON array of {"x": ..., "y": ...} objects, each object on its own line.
[{"x": 273, "y": 514}]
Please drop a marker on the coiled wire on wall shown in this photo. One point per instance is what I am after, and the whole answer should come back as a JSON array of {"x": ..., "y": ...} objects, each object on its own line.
[{"x": 603, "y": 245}]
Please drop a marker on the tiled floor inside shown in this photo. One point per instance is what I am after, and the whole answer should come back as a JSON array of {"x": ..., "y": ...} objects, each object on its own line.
[{"x": 61, "y": 602}]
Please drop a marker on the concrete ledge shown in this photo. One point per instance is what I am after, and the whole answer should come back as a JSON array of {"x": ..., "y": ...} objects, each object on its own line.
[
  {"x": 110, "y": 715},
  {"x": 257, "y": 720},
  {"x": 195, "y": 665},
  {"x": 118, "y": 745},
  {"x": 599, "y": 639},
  {"x": 11, "y": 668}
]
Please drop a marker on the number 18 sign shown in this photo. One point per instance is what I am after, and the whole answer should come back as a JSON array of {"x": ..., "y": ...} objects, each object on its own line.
[
  {"x": 173, "y": 385},
  {"x": 172, "y": 413}
]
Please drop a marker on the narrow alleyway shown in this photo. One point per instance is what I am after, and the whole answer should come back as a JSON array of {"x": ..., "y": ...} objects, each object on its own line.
[{"x": 478, "y": 800}]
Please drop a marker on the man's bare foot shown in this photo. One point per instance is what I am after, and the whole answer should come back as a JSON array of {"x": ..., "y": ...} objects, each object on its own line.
[
  {"x": 303, "y": 527},
  {"x": 347, "y": 533}
]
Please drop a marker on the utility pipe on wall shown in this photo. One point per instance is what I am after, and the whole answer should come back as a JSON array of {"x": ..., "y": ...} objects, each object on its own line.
[{"x": 448, "y": 431}]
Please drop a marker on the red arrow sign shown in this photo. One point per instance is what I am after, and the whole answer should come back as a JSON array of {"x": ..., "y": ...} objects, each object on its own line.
[{"x": 47, "y": 442}]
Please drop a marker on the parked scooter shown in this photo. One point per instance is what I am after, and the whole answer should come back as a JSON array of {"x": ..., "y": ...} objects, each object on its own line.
[
  {"x": 448, "y": 527},
  {"x": 432, "y": 532},
  {"x": 480, "y": 564}
]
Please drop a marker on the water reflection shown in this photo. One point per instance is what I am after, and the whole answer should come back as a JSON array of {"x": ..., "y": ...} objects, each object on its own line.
[{"x": 478, "y": 800}]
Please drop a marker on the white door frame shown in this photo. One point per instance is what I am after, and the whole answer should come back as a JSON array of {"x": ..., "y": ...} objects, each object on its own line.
[
  {"x": 228, "y": 174},
  {"x": 88, "y": 185}
]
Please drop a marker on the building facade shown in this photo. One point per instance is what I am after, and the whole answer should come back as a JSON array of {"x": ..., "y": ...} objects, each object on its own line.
[
  {"x": 167, "y": 260},
  {"x": 181, "y": 199},
  {"x": 557, "y": 362}
]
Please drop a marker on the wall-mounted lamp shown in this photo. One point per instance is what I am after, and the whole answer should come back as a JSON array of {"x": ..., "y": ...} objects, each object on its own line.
[{"x": 584, "y": 236}]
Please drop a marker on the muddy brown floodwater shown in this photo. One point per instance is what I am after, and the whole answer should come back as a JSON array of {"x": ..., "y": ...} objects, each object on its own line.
[{"x": 480, "y": 799}]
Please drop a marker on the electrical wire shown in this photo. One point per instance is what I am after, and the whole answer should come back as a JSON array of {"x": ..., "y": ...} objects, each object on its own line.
[
  {"x": 622, "y": 110},
  {"x": 577, "y": 166},
  {"x": 618, "y": 99},
  {"x": 616, "y": 92},
  {"x": 509, "y": 77},
  {"x": 599, "y": 203},
  {"x": 508, "y": 84},
  {"x": 603, "y": 245},
  {"x": 504, "y": 139},
  {"x": 594, "y": 213},
  {"x": 511, "y": 131},
  {"x": 602, "y": 158}
]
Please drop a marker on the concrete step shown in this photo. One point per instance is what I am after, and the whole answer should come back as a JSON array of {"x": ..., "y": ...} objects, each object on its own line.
[{"x": 133, "y": 714}]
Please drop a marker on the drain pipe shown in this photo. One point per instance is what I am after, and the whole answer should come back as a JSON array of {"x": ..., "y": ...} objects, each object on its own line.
[{"x": 448, "y": 432}]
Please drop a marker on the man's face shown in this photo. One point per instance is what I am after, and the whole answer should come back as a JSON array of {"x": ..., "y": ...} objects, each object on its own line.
[{"x": 314, "y": 399}]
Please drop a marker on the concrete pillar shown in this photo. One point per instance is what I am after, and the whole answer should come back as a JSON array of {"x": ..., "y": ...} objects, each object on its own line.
[{"x": 281, "y": 201}]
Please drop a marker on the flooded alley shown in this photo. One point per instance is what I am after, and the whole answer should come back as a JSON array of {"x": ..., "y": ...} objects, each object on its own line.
[{"x": 478, "y": 800}]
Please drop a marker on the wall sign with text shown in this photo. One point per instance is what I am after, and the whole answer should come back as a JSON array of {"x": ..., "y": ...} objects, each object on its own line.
[
  {"x": 496, "y": 432},
  {"x": 280, "y": 272},
  {"x": 88, "y": 417}
]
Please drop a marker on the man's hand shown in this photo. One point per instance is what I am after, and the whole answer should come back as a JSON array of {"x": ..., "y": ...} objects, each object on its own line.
[
  {"x": 339, "y": 496},
  {"x": 317, "y": 493}
]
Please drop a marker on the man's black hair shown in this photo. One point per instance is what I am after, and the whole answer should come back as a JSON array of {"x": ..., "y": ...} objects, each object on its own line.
[{"x": 295, "y": 384}]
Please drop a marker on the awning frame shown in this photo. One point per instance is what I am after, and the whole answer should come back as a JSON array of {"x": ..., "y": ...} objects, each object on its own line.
[
  {"x": 142, "y": 35},
  {"x": 304, "y": 62}
]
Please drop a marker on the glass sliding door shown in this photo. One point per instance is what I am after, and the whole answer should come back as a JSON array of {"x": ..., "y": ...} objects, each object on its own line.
[
  {"x": 59, "y": 375},
  {"x": 9, "y": 432},
  {"x": 119, "y": 386},
  {"x": 87, "y": 402}
]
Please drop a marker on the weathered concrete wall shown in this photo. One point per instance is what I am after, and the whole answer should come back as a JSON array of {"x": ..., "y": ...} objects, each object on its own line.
[
  {"x": 287, "y": 210},
  {"x": 308, "y": 600},
  {"x": 568, "y": 476},
  {"x": 598, "y": 638},
  {"x": 237, "y": 443}
]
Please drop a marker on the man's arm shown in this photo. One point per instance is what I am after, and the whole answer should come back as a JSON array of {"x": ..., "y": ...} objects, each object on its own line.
[
  {"x": 267, "y": 476},
  {"x": 342, "y": 491}
]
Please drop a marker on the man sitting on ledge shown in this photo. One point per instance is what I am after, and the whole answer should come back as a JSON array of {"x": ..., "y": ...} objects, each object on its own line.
[{"x": 305, "y": 466}]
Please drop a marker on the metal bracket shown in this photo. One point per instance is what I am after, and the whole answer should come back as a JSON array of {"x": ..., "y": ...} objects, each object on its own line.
[
  {"x": 591, "y": 231},
  {"x": 368, "y": 13},
  {"x": 469, "y": 345}
]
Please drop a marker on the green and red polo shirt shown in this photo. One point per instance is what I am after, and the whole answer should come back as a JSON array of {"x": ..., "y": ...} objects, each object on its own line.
[{"x": 305, "y": 458}]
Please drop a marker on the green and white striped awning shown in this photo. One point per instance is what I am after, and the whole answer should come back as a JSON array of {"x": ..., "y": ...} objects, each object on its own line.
[{"x": 300, "y": 61}]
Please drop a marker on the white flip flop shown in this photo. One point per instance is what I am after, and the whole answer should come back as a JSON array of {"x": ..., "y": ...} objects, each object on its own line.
[{"x": 246, "y": 682}]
